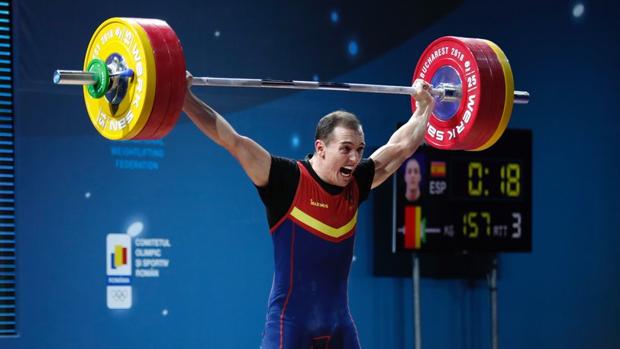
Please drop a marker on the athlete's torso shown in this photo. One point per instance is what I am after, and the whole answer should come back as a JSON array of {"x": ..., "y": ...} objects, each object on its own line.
[{"x": 313, "y": 248}]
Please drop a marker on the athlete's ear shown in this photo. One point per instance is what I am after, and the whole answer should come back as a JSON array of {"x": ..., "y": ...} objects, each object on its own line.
[{"x": 319, "y": 148}]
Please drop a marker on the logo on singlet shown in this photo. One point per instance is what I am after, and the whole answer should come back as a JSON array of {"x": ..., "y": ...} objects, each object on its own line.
[{"x": 318, "y": 204}]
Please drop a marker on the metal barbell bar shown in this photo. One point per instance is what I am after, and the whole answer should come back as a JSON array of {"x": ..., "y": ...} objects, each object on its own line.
[{"x": 445, "y": 92}]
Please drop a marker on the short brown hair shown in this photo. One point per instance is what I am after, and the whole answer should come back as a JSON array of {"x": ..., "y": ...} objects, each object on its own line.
[{"x": 329, "y": 122}]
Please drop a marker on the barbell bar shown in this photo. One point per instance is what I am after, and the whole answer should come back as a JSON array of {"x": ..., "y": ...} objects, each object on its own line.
[{"x": 444, "y": 92}]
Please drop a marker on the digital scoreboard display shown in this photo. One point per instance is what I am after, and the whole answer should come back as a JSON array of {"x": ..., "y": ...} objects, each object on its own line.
[
  {"x": 455, "y": 209},
  {"x": 458, "y": 201}
]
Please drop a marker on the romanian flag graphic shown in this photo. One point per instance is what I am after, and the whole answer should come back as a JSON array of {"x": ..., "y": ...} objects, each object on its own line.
[
  {"x": 438, "y": 168},
  {"x": 119, "y": 257},
  {"x": 414, "y": 227}
]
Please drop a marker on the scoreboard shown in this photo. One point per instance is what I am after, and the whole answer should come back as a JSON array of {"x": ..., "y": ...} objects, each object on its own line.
[{"x": 458, "y": 202}]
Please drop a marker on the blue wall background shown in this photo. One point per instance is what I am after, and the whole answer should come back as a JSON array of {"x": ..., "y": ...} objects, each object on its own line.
[{"x": 71, "y": 191}]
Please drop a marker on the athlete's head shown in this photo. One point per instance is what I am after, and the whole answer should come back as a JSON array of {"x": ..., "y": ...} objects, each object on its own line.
[
  {"x": 338, "y": 147},
  {"x": 412, "y": 179}
]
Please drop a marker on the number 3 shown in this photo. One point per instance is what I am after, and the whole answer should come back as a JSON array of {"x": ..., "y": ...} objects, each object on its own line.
[{"x": 516, "y": 225}]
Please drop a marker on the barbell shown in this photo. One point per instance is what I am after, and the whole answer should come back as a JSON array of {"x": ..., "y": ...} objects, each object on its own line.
[{"x": 134, "y": 85}]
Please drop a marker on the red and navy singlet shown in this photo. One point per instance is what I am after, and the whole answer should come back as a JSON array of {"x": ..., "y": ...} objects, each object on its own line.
[{"x": 313, "y": 247}]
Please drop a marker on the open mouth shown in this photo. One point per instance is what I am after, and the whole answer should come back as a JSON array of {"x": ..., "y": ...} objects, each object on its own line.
[{"x": 345, "y": 171}]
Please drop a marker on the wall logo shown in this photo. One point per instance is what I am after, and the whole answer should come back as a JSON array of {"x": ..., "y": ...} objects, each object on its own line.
[
  {"x": 119, "y": 257},
  {"x": 119, "y": 297},
  {"x": 119, "y": 254},
  {"x": 119, "y": 271}
]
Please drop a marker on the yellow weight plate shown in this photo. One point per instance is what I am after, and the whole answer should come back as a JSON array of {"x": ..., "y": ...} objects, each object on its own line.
[
  {"x": 509, "y": 98},
  {"x": 126, "y": 38}
]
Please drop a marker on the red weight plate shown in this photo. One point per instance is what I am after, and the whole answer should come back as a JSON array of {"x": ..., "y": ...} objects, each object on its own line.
[
  {"x": 486, "y": 93},
  {"x": 177, "y": 80},
  {"x": 454, "y": 53},
  {"x": 489, "y": 118},
  {"x": 500, "y": 91},
  {"x": 500, "y": 88},
  {"x": 495, "y": 95},
  {"x": 163, "y": 76}
]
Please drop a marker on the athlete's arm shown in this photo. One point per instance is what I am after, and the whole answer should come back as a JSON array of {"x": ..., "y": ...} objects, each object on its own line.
[
  {"x": 254, "y": 159},
  {"x": 406, "y": 139}
]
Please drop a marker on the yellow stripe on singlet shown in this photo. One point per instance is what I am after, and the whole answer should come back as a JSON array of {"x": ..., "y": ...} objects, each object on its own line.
[{"x": 322, "y": 227}]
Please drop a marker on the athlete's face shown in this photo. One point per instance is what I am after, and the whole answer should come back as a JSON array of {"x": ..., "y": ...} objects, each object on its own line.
[
  {"x": 412, "y": 173},
  {"x": 341, "y": 154}
]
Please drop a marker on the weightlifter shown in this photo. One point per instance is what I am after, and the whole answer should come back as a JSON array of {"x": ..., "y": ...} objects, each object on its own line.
[{"x": 312, "y": 207}]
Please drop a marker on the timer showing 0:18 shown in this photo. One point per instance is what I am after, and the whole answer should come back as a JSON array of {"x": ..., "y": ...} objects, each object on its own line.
[{"x": 510, "y": 179}]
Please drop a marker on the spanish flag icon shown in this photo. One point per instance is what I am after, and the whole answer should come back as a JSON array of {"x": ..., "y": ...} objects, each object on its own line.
[{"x": 438, "y": 168}]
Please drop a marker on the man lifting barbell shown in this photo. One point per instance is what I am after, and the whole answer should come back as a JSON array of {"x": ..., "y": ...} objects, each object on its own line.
[
  {"x": 312, "y": 207},
  {"x": 135, "y": 86}
]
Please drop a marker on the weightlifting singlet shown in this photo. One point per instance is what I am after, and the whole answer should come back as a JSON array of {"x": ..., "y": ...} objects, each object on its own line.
[{"x": 313, "y": 246}]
